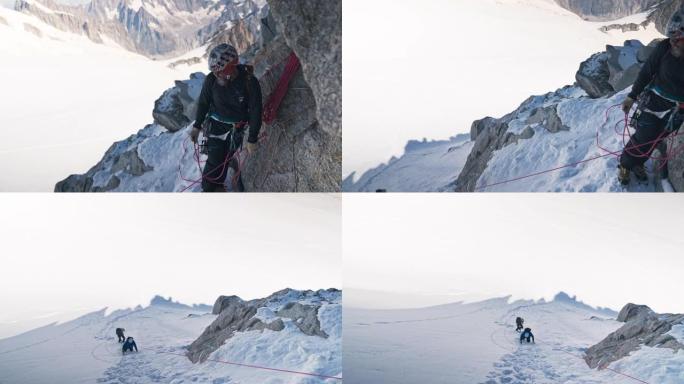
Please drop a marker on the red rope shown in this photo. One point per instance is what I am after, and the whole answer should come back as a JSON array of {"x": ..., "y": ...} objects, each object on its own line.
[
  {"x": 610, "y": 369},
  {"x": 278, "y": 94},
  {"x": 261, "y": 367}
]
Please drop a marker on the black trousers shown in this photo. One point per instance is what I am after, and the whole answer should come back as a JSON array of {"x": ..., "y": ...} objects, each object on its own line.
[
  {"x": 640, "y": 147},
  {"x": 215, "y": 171},
  {"x": 121, "y": 338}
]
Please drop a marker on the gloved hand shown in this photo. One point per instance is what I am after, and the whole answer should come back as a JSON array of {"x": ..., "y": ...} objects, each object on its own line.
[
  {"x": 251, "y": 147},
  {"x": 627, "y": 104},
  {"x": 194, "y": 134}
]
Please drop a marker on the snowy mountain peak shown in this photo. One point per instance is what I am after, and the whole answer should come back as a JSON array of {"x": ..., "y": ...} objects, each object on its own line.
[
  {"x": 160, "y": 301},
  {"x": 155, "y": 28},
  {"x": 562, "y": 296}
]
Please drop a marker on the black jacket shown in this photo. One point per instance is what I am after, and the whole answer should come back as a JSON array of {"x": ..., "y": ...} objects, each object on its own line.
[
  {"x": 129, "y": 344},
  {"x": 665, "y": 70},
  {"x": 239, "y": 100}
]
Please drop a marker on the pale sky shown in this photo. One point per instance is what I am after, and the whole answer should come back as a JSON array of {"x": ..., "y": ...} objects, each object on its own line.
[
  {"x": 606, "y": 249},
  {"x": 428, "y": 69},
  {"x": 66, "y": 254}
]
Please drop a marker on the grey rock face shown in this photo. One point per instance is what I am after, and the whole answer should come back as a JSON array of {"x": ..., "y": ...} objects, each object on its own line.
[
  {"x": 155, "y": 28},
  {"x": 237, "y": 315},
  {"x": 304, "y": 147},
  {"x": 605, "y": 73},
  {"x": 305, "y": 318},
  {"x": 675, "y": 166},
  {"x": 119, "y": 158},
  {"x": 176, "y": 108},
  {"x": 593, "y": 75},
  {"x": 662, "y": 13},
  {"x": 602, "y": 10},
  {"x": 642, "y": 327}
]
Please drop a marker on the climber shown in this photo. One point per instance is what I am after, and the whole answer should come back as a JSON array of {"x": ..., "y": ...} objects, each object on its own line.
[
  {"x": 129, "y": 345},
  {"x": 526, "y": 335},
  {"x": 120, "y": 334},
  {"x": 519, "y": 324},
  {"x": 230, "y": 98},
  {"x": 659, "y": 92}
]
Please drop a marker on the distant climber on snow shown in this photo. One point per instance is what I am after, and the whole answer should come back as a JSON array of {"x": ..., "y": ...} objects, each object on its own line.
[
  {"x": 230, "y": 99},
  {"x": 659, "y": 93},
  {"x": 519, "y": 324},
  {"x": 527, "y": 336},
  {"x": 129, "y": 345},
  {"x": 120, "y": 335}
]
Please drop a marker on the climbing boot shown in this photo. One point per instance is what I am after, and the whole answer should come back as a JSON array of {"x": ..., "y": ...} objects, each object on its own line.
[
  {"x": 640, "y": 172},
  {"x": 623, "y": 175}
]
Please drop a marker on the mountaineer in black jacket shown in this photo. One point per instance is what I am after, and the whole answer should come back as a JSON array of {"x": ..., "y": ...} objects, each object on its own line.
[
  {"x": 229, "y": 100},
  {"x": 660, "y": 91}
]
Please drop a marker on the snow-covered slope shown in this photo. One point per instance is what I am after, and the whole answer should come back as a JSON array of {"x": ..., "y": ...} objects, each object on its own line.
[
  {"x": 65, "y": 99},
  {"x": 85, "y": 350},
  {"x": 424, "y": 166},
  {"x": 450, "y": 63},
  {"x": 477, "y": 343}
]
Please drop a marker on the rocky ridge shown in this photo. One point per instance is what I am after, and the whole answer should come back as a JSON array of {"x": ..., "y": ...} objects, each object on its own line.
[
  {"x": 642, "y": 327},
  {"x": 300, "y": 308}
]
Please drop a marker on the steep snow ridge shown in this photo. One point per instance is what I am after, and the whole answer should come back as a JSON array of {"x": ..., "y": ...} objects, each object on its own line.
[
  {"x": 476, "y": 343},
  {"x": 425, "y": 166},
  {"x": 85, "y": 350},
  {"x": 546, "y": 150}
]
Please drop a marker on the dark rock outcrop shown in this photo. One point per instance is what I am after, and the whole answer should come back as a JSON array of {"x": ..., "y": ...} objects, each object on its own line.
[
  {"x": 642, "y": 327},
  {"x": 606, "y": 73},
  {"x": 237, "y": 315},
  {"x": 176, "y": 107}
]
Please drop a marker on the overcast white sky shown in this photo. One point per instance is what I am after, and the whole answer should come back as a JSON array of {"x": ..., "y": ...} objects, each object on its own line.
[
  {"x": 63, "y": 254},
  {"x": 606, "y": 249},
  {"x": 428, "y": 69}
]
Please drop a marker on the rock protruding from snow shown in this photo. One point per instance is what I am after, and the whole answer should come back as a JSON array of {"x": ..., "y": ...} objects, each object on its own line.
[
  {"x": 643, "y": 327},
  {"x": 617, "y": 68},
  {"x": 301, "y": 308},
  {"x": 176, "y": 108},
  {"x": 602, "y": 10},
  {"x": 490, "y": 134}
]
